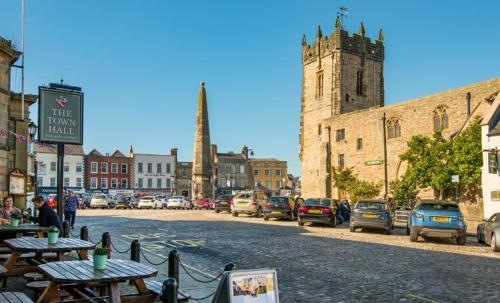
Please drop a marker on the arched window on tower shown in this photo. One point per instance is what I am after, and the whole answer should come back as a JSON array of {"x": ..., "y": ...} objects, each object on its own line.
[
  {"x": 444, "y": 120},
  {"x": 397, "y": 129},
  {"x": 437, "y": 122},
  {"x": 390, "y": 130}
]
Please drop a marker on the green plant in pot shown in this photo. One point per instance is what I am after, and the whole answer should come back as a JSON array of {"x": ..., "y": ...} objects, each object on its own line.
[
  {"x": 53, "y": 235},
  {"x": 100, "y": 257},
  {"x": 14, "y": 219}
]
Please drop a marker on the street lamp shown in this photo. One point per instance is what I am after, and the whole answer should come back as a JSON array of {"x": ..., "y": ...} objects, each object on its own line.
[{"x": 32, "y": 129}]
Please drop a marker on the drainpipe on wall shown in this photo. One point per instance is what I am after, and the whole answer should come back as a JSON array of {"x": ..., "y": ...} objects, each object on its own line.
[{"x": 385, "y": 158}]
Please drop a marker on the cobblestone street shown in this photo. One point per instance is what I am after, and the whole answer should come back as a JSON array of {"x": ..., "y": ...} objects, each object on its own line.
[{"x": 314, "y": 263}]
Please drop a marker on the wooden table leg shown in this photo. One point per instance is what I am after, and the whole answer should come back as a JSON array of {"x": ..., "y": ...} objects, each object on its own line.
[
  {"x": 82, "y": 254},
  {"x": 60, "y": 255},
  {"x": 12, "y": 260},
  {"x": 141, "y": 286},
  {"x": 114, "y": 293},
  {"x": 48, "y": 293},
  {"x": 40, "y": 234}
]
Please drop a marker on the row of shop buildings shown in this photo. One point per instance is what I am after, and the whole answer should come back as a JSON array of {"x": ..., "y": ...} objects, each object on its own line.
[{"x": 153, "y": 173}]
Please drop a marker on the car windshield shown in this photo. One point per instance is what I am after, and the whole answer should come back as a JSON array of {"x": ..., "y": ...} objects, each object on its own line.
[
  {"x": 279, "y": 200},
  {"x": 370, "y": 205},
  {"x": 147, "y": 198},
  {"x": 99, "y": 197},
  {"x": 438, "y": 206},
  {"x": 176, "y": 197},
  {"x": 318, "y": 202},
  {"x": 224, "y": 197}
]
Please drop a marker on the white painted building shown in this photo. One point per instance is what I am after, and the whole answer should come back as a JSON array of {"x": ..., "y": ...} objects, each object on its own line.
[
  {"x": 46, "y": 168},
  {"x": 155, "y": 173},
  {"x": 490, "y": 139}
]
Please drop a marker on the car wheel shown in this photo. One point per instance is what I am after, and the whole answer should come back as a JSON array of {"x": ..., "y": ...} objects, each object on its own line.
[
  {"x": 235, "y": 214},
  {"x": 388, "y": 231},
  {"x": 478, "y": 236},
  {"x": 352, "y": 229},
  {"x": 217, "y": 211},
  {"x": 462, "y": 240},
  {"x": 258, "y": 214},
  {"x": 266, "y": 218},
  {"x": 413, "y": 235},
  {"x": 300, "y": 223},
  {"x": 493, "y": 243}
]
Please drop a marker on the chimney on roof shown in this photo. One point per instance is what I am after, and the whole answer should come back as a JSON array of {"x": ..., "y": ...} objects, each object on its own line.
[
  {"x": 173, "y": 152},
  {"x": 130, "y": 152}
]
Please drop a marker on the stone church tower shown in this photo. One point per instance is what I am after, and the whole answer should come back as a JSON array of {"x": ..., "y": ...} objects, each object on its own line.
[
  {"x": 340, "y": 74},
  {"x": 202, "y": 161}
]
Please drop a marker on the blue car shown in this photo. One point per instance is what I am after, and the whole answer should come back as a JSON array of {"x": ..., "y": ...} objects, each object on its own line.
[{"x": 437, "y": 219}]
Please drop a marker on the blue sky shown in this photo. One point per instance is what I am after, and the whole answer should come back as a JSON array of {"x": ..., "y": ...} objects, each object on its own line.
[{"x": 140, "y": 62}]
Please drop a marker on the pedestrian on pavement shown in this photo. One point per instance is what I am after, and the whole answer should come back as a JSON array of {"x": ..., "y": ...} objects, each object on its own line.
[
  {"x": 8, "y": 209},
  {"x": 46, "y": 215},
  {"x": 70, "y": 206}
]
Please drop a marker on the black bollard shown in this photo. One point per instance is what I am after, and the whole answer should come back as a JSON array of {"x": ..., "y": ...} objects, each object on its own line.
[
  {"x": 169, "y": 291},
  {"x": 135, "y": 251},
  {"x": 106, "y": 242},
  {"x": 66, "y": 229},
  {"x": 84, "y": 233},
  {"x": 173, "y": 265},
  {"x": 229, "y": 266}
]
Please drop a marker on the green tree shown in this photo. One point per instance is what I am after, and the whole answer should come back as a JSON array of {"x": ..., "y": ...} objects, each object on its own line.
[
  {"x": 343, "y": 178},
  {"x": 362, "y": 190},
  {"x": 402, "y": 191},
  {"x": 429, "y": 163}
]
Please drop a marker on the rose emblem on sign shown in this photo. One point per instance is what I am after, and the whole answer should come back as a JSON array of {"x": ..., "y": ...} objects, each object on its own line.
[{"x": 61, "y": 102}]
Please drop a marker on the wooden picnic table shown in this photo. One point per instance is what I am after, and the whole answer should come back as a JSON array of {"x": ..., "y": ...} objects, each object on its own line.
[
  {"x": 23, "y": 229},
  {"x": 14, "y": 297},
  {"x": 39, "y": 246},
  {"x": 82, "y": 273}
]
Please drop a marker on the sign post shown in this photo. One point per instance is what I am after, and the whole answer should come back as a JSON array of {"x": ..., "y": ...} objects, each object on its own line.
[
  {"x": 60, "y": 120},
  {"x": 455, "y": 179}
]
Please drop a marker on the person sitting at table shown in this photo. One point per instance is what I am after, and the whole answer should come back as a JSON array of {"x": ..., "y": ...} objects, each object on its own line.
[
  {"x": 8, "y": 209},
  {"x": 46, "y": 215}
]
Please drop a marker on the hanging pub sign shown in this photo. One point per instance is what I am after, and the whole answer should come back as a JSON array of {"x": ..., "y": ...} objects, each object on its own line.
[{"x": 60, "y": 114}]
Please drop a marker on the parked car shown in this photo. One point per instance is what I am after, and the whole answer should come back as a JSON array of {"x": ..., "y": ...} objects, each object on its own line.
[
  {"x": 146, "y": 202},
  {"x": 318, "y": 210},
  {"x": 83, "y": 200},
  {"x": 280, "y": 208},
  {"x": 488, "y": 232},
  {"x": 372, "y": 214},
  {"x": 249, "y": 202},
  {"x": 223, "y": 203},
  {"x": 160, "y": 202},
  {"x": 437, "y": 219},
  {"x": 125, "y": 201},
  {"x": 203, "y": 203},
  {"x": 100, "y": 201},
  {"x": 178, "y": 202},
  {"x": 52, "y": 200}
]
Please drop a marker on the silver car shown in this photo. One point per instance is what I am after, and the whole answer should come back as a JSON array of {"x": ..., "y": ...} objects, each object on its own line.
[{"x": 249, "y": 202}]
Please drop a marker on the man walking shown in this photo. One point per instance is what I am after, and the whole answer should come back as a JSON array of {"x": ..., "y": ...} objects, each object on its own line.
[{"x": 70, "y": 205}]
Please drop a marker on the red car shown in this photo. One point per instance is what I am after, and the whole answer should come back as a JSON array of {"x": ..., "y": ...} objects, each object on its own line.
[
  {"x": 206, "y": 203},
  {"x": 52, "y": 200}
]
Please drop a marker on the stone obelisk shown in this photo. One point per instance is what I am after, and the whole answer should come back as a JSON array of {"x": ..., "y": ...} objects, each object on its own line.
[{"x": 201, "y": 182}]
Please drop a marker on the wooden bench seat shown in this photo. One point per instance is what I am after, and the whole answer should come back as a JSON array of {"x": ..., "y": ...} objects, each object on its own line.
[
  {"x": 23, "y": 256},
  {"x": 14, "y": 297},
  {"x": 155, "y": 287}
]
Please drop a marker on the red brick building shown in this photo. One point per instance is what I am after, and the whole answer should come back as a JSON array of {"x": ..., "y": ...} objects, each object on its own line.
[{"x": 108, "y": 172}]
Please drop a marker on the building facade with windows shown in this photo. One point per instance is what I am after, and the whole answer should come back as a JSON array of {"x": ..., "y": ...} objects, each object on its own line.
[
  {"x": 490, "y": 141},
  {"x": 231, "y": 170},
  {"x": 105, "y": 172},
  {"x": 268, "y": 174},
  {"x": 183, "y": 175},
  {"x": 155, "y": 173},
  {"x": 46, "y": 168},
  {"x": 344, "y": 122}
]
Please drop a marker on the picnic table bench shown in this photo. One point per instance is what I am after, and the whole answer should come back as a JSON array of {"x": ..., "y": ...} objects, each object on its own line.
[
  {"x": 75, "y": 276},
  {"x": 14, "y": 297}
]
